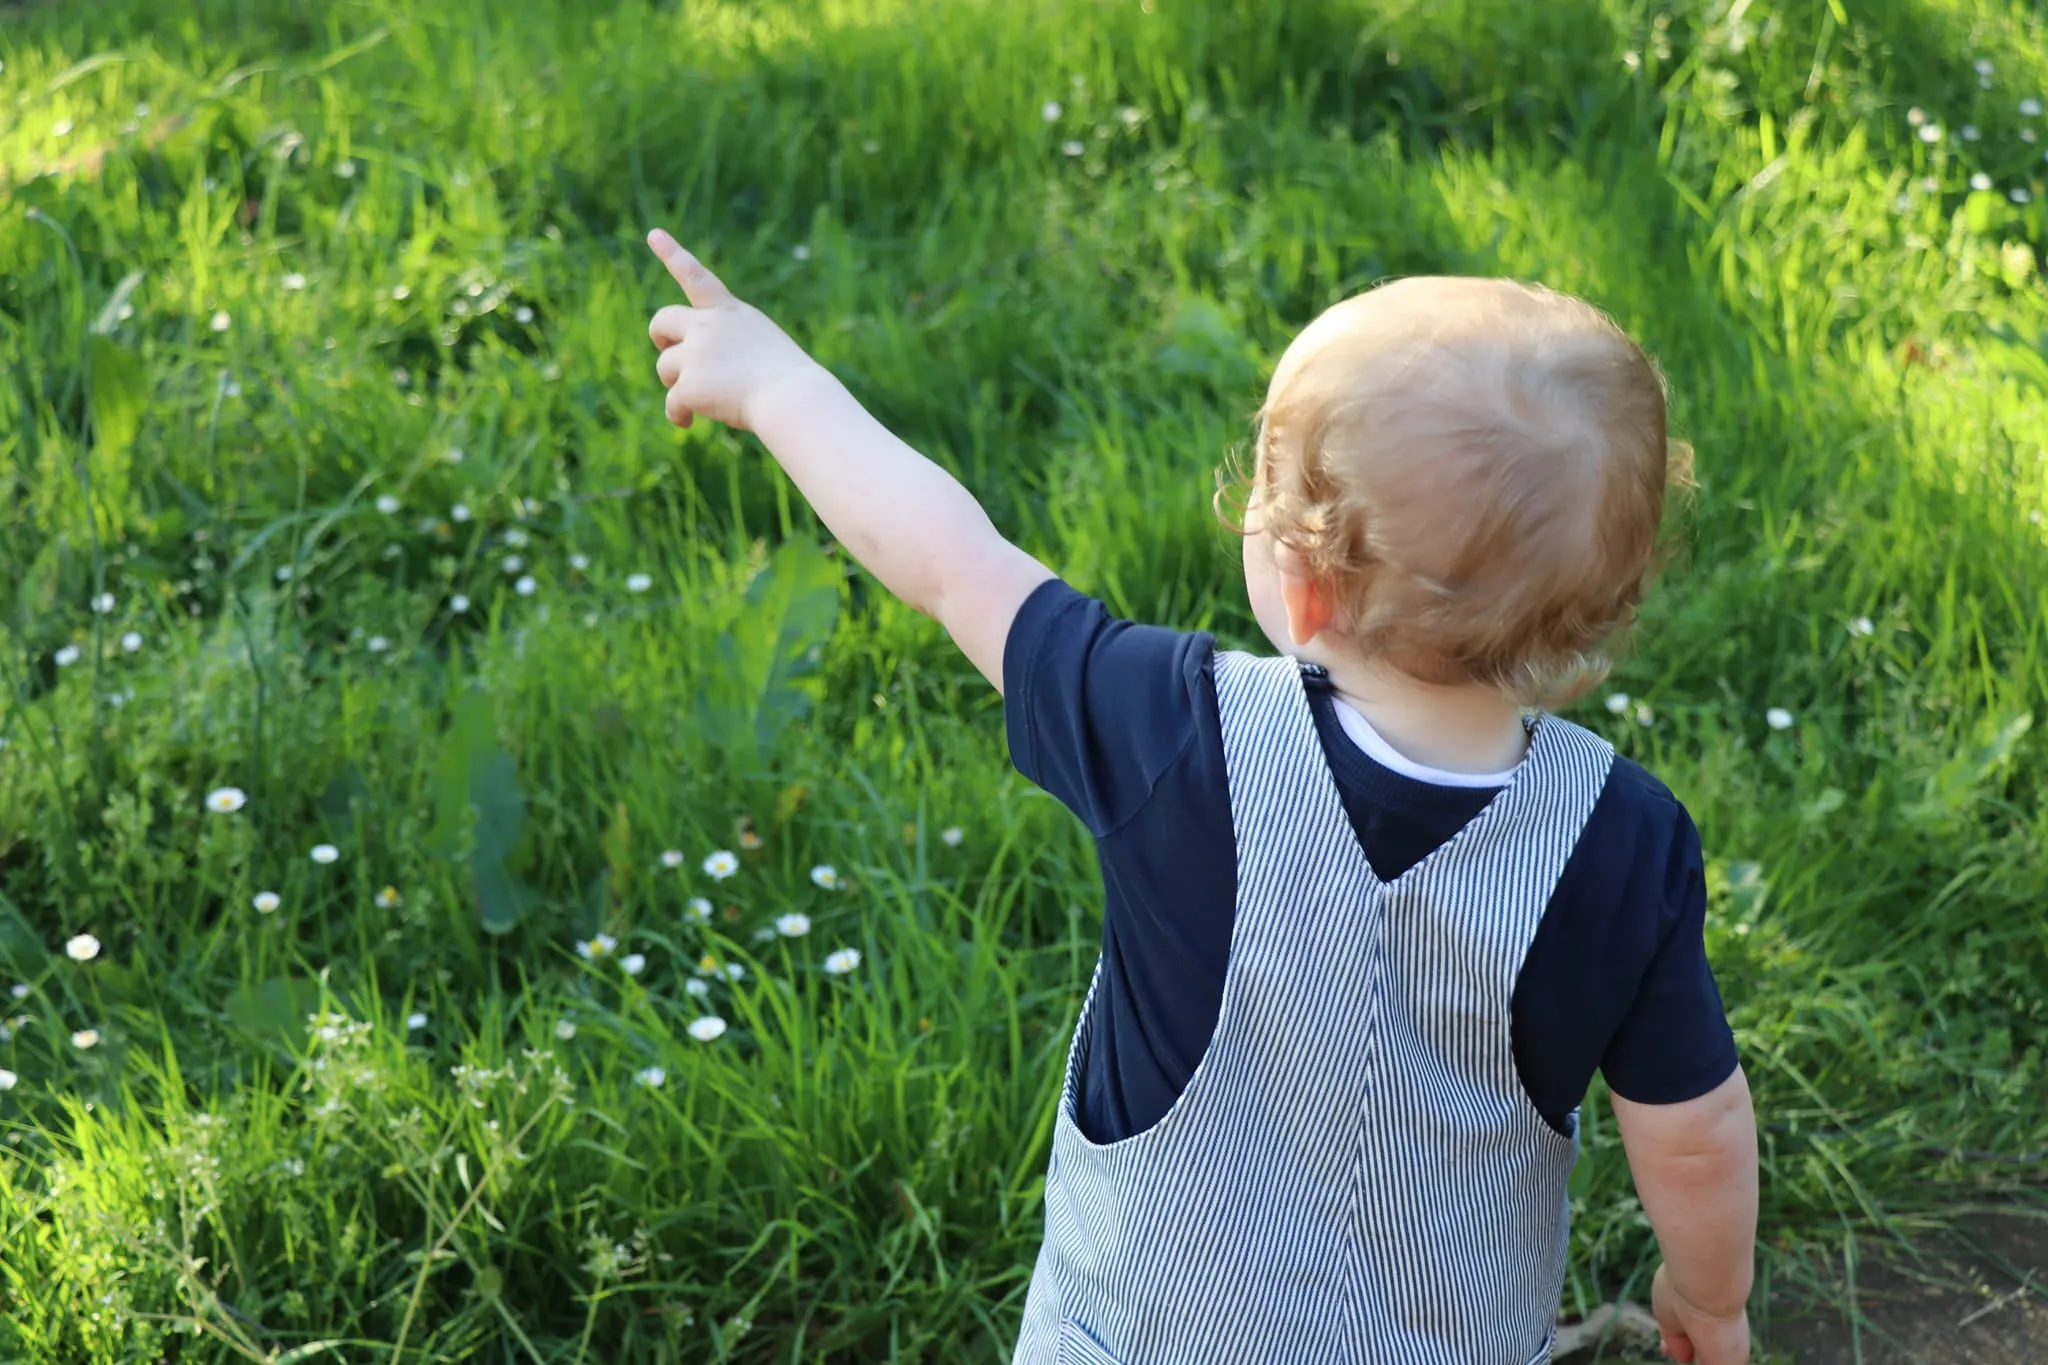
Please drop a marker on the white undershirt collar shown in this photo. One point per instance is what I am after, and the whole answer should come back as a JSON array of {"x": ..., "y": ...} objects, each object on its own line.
[{"x": 1359, "y": 730}]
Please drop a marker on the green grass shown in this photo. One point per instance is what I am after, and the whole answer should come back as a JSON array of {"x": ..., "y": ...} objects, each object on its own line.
[{"x": 853, "y": 1171}]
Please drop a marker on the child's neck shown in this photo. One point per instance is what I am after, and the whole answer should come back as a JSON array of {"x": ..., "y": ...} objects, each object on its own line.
[{"x": 1463, "y": 729}]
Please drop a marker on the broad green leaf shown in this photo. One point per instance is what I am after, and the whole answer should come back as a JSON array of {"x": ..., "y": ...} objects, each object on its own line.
[
  {"x": 120, "y": 392},
  {"x": 765, "y": 660},
  {"x": 273, "y": 1013},
  {"x": 502, "y": 900}
]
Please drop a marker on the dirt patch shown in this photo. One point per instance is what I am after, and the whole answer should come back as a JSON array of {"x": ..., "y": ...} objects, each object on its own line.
[{"x": 1978, "y": 1299}]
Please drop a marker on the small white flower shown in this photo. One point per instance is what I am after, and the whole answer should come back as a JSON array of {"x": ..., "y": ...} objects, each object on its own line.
[
  {"x": 673, "y": 858},
  {"x": 721, "y": 865},
  {"x": 1930, "y": 132},
  {"x": 400, "y": 292},
  {"x": 1073, "y": 148},
  {"x": 565, "y": 1030},
  {"x": 459, "y": 512},
  {"x": 698, "y": 989},
  {"x": 1618, "y": 702},
  {"x": 1862, "y": 625},
  {"x": 1980, "y": 181},
  {"x": 131, "y": 642},
  {"x": 415, "y": 1021},
  {"x": 1916, "y": 116},
  {"x": 82, "y": 948},
  {"x": 345, "y": 168},
  {"x": 85, "y": 1038},
  {"x": 266, "y": 902},
  {"x": 826, "y": 876},
  {"x": 800, "y": 251},
  {"x": 221, "y": 321},
  {"x": 793, "y": 925},
  {"x": 763, "y": 936},
  {"x": 525, "y": 586},
  {"x": 2030, "y": 108},
  {"x": 453, "y": 455},
  {"x": 1645, "y": 717},
  {"x": 324, "y": 854},
  {"x": 2019, "y": 194},
  {"x": 638, "y": 582},
  {"x": 389, "y": 899},
  {"x": 632, "y": 964},
  {"x": 377, "y": 644},
  {"x": 388, "y": 505},
  {"x": 19, "y": 990},
  {"x": 226, "y": 800},
  {"x": 653, "y": 1077},
  {"x": 871, "y": 146},
  {"x": 735, "y": 972},
  {"x": 522, "y": 314},
  {"x": 1051, "y": 112},
  {"x": 1983, "y": 66},
  {"x": 601, "y": 946},
  {"x": 708, "y": 1029},
  {"x": 284, "y": 573},
  {"x": 103, "y": 604},
  {"x": 952, "y": 836},
  {"x": 61, "y": 128},
  {"x": 458, "y": 603},
  {"x": 1778, "y": 718},
  {"x": 8, "y": 1080},
  {"x": 513, "y": 563},
  {"x": 294, "y": 282},
  {"x": 1970, "y": 132},
  {"x": 697, "y": 910},
  {"x": 516, "y": 538},
  {"x": 843, "y": 961},
  {"x": 66, "y": 656}
]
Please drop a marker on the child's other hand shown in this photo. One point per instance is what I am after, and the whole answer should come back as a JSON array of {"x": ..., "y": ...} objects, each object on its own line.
[
  {"x": 719, "y": 357},
  {"x": 1692, "y": 1335}
]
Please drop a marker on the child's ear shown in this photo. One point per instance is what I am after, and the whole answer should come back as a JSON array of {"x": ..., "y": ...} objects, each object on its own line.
[{"x": 1311, "y": 604}]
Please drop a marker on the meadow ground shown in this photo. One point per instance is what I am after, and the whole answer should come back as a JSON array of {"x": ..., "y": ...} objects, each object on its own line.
[{"x": 334, "y": 474}]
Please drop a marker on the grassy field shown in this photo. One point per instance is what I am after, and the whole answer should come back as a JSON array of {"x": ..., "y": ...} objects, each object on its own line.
[{"x": 332, "y": 471}]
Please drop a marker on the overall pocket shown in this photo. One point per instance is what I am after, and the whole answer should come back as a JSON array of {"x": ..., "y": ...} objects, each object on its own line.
[{"x": 1077, "y": 1347}]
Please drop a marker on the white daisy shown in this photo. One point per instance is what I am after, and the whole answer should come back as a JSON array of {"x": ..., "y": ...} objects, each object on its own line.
[
  {"x": 388, "y": 505},
  {"x": 19, "y": 990},
  {"x": 1916, "y": 116},
  {"x": 85, "y": 1038},
  {"x": 516, "y": 538},
  {"x": 294, "y": 282},
  {"x": 843, "y": 961},
  {"x": 1051, "y": 111},
  {"x": 952, "y": 836},
  {"x": 61, "y": 128},
  {"x": 638, "y": 582},
  {"x": 800, "y": 251},
  {"x": 632, "y": 964},
  {"x": 1982, "y": 66},
  {"x": 266, "y": 902},
  {"x": 226, "y": 800},
  {"x": 565, "y": 1030},
  {"x": 1778, "y": 718},
  {"x": 325, "y": 854},
  {"x": 415, "y": 1021},
  {"x": 2019, "y": 194},
  {"x": 697, "y": 910},
  {"x": 1618, "y": 702},
  {"x": 345, "y": 168},
  {"x": 1980, "y": 181},
  {"x": 389, "y": 899},
  {"x": 459, "y": 603},
  {"x": 826, "y": 876},
  {"x": 697, "y": 988},
  {"x": 1645, "y": 717},
  {"x": 601, "y": 946},
  {"x": 103, "y": 604},
  {"x": 1970, "y": 132},
  {"x": 672, "y": 858},
  {"x": 735, "y": 972},
  {"x": 459, "y": 512},
  {"x": 221, "y": 321},
  {"x": 284, "y": 573},
  {"x": 708, "y": 1029},
  {"x": 82, "y": 948},
  {"x": 66, "y": 656},
  {"x": 1862, "y": 625},
  {"x": 131, "y": 642},
  {"x": 1073, "y": 148},
  {"x": 579, "y": 563},
  {"x": 8, "y": 1080},
  {"x": 513, "y": 563},
  {"x": 721, "y": 865},
  {"x": 525, "y": 586},
  {"x": 522, "y": 314},
  {"x": 793, "y": 925},
  {"x": 400, "y": 292},
  {"x": 1930, "y": 132},
  {"x": 653, "y": 1077},
  {"x": 377, "y": 644}
]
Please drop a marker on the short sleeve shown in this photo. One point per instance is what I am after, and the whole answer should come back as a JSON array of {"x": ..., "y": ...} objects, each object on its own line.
[
  {"x": 1674, "y": 1044},
  {"x": 1096, "y": 709}
]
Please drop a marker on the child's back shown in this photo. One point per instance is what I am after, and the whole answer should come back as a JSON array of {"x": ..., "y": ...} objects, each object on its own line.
[{"x": 1371, "y": 926}]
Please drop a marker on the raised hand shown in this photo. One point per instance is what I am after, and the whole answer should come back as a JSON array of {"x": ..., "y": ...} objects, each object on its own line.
[{"x": 719, "y": 356}]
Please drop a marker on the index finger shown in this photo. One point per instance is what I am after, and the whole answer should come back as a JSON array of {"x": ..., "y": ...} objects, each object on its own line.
[{"x": 700, "y": 286}]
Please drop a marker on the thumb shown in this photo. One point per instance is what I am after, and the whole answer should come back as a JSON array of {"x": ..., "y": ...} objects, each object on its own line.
[{"x": 700, "y": 286}]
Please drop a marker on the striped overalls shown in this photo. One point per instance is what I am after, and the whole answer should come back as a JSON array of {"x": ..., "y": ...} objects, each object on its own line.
[{"x": 1354, "y": 1174}]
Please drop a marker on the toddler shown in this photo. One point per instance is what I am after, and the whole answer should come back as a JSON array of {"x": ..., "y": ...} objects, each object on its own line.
[{"x": 1373, "y": 918}]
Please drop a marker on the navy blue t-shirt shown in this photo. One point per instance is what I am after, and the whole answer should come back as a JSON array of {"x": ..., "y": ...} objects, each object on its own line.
[{"x": 1120, "y": 723}]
